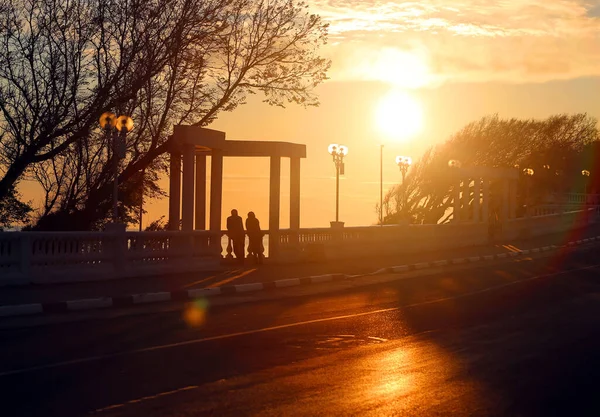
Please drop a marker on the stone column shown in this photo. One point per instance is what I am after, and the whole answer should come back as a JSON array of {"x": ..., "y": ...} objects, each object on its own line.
[
  {"x": 294, "y": 193},
  {"x": 274, "y": 198},
  {"x": 187, "y": 212},
  {"x": 174, "y": 190},
  {"x": 466, "y": 198},
  {"x": 216, "y": 190},
  {"x": 485, "y": 200},
  {"x": 456, "y": 198},
  {"x": 200, "y": 192},
  {"x": 476, "y": 198}
]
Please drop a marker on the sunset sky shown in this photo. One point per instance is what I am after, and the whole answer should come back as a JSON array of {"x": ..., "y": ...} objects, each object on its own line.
[
  {"x": 448, "y": 62},
  {"x": 458, "y": 60}
]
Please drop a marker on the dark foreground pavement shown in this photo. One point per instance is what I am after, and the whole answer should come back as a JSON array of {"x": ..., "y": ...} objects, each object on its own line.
[
  {"x": 249, "y": 274},
  {"x": 518, "y": 339}
]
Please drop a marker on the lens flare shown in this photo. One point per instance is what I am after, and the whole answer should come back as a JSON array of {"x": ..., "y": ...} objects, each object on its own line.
[{"x": 195, "y": 313}]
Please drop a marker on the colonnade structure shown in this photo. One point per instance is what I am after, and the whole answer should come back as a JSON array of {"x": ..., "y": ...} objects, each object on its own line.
[
  {"x": 473, "y": 184},
  {"x": 188, "y": 169}
]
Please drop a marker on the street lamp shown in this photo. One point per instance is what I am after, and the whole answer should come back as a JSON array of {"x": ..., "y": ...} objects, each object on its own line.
[
  {"x": 528, "y": 172},
  {"x": 116, "y": 128},
  {"x": 585, "y": 173},
  {"x": 338, "y": 152},
  {"x": 404, "y": 163},
  {"x": 454, "y": 163}
]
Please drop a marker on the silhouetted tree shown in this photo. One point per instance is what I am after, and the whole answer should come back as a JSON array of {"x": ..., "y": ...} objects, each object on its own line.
[
  {"x": 562, "y": 142},
  {"x": 63, "y": 63},
  {"x": 248, "y": 46},
  {"x": 13, "y": 211}
]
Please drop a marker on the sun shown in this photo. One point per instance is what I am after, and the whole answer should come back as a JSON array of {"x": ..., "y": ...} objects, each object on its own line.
[{"x": 399, "y": 115}]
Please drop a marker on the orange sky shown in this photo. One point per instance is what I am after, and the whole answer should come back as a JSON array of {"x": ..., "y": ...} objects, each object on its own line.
[{"x": 459, "y": 60}]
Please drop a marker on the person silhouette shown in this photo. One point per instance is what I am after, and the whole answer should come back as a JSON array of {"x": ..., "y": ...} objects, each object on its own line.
[
  {"x": 235, "y": 231},
  {"x": 255, "y": 235}
]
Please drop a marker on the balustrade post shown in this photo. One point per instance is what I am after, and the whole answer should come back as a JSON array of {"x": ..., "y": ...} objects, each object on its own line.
[
  {"x": 476, "y": 199},
  {"x": 456, "y": 202},
  {"x": 229, "y": 249},
  {"x": 466, "y": 200},
  {"x": 214, "y": 243},
  {"x": 294, "y": 239},
  {"x": 273, "y": 243},
  {"x": 25, "y": 256},
  {"x": 337, "y": 234},
  {"x": 116, "y": 235},
  {"x": 485, "y": 197}
]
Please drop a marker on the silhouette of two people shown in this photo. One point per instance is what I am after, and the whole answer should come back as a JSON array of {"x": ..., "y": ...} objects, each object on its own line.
[{"x": 235, "y": 231}]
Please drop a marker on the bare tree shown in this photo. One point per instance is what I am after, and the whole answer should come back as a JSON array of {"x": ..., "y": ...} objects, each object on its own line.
[
  {"x": 267, "y": 47},
  {"x": 64, "y": 62}
]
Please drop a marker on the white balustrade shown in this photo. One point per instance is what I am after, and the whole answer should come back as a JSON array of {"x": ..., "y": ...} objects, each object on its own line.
[{"x": 74, "y": 256}]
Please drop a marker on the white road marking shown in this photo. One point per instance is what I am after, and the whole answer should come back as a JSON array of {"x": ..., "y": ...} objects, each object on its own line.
[
  {"x": 279, "y": 327},
  {"x": 139, "y": 400},
  {"x": 249, "y": 287},
  {"x": 282, "y": 283},
  {"x": 400, "y": 268},
  {"x": 379, "y": 339}
]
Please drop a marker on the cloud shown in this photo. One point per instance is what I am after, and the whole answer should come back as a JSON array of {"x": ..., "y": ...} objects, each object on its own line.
[
  {"x": 594, "y": 9},
  {"x": 425, "y": 43}
]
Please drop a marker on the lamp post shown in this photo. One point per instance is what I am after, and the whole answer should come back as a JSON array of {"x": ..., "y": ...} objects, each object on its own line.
[
  {"x": 116, "y": 128},
  {"x": 381, "y": 185},
  {"x": 404, "y": 163},
  {"x": 142, "y": 198},
  {"x": 338, "y": 152},
  {"x": 528, "y": 172}
]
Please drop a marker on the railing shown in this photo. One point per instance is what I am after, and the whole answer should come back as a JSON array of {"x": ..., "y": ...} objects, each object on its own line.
[
  {"x": 76, "y": 256},
  {"x": 544, "y": 210},
  {"x": 58, "y": 256},
  {"x": 318, "y": 243},
  {"x": 577, "y": 199}
]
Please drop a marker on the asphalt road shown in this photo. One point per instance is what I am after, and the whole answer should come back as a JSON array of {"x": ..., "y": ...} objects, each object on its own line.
[{"x": 517, "y": 339}]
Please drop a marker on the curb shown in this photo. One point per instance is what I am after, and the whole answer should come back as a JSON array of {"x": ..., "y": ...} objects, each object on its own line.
[{"x": 194, "y": 294}]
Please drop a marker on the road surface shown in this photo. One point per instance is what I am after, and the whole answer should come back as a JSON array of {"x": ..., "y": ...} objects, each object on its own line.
[{"x": 517, "y": 339}]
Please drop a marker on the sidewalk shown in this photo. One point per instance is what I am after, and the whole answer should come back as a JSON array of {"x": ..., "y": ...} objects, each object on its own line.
[{"x": 249, "y": 274}]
